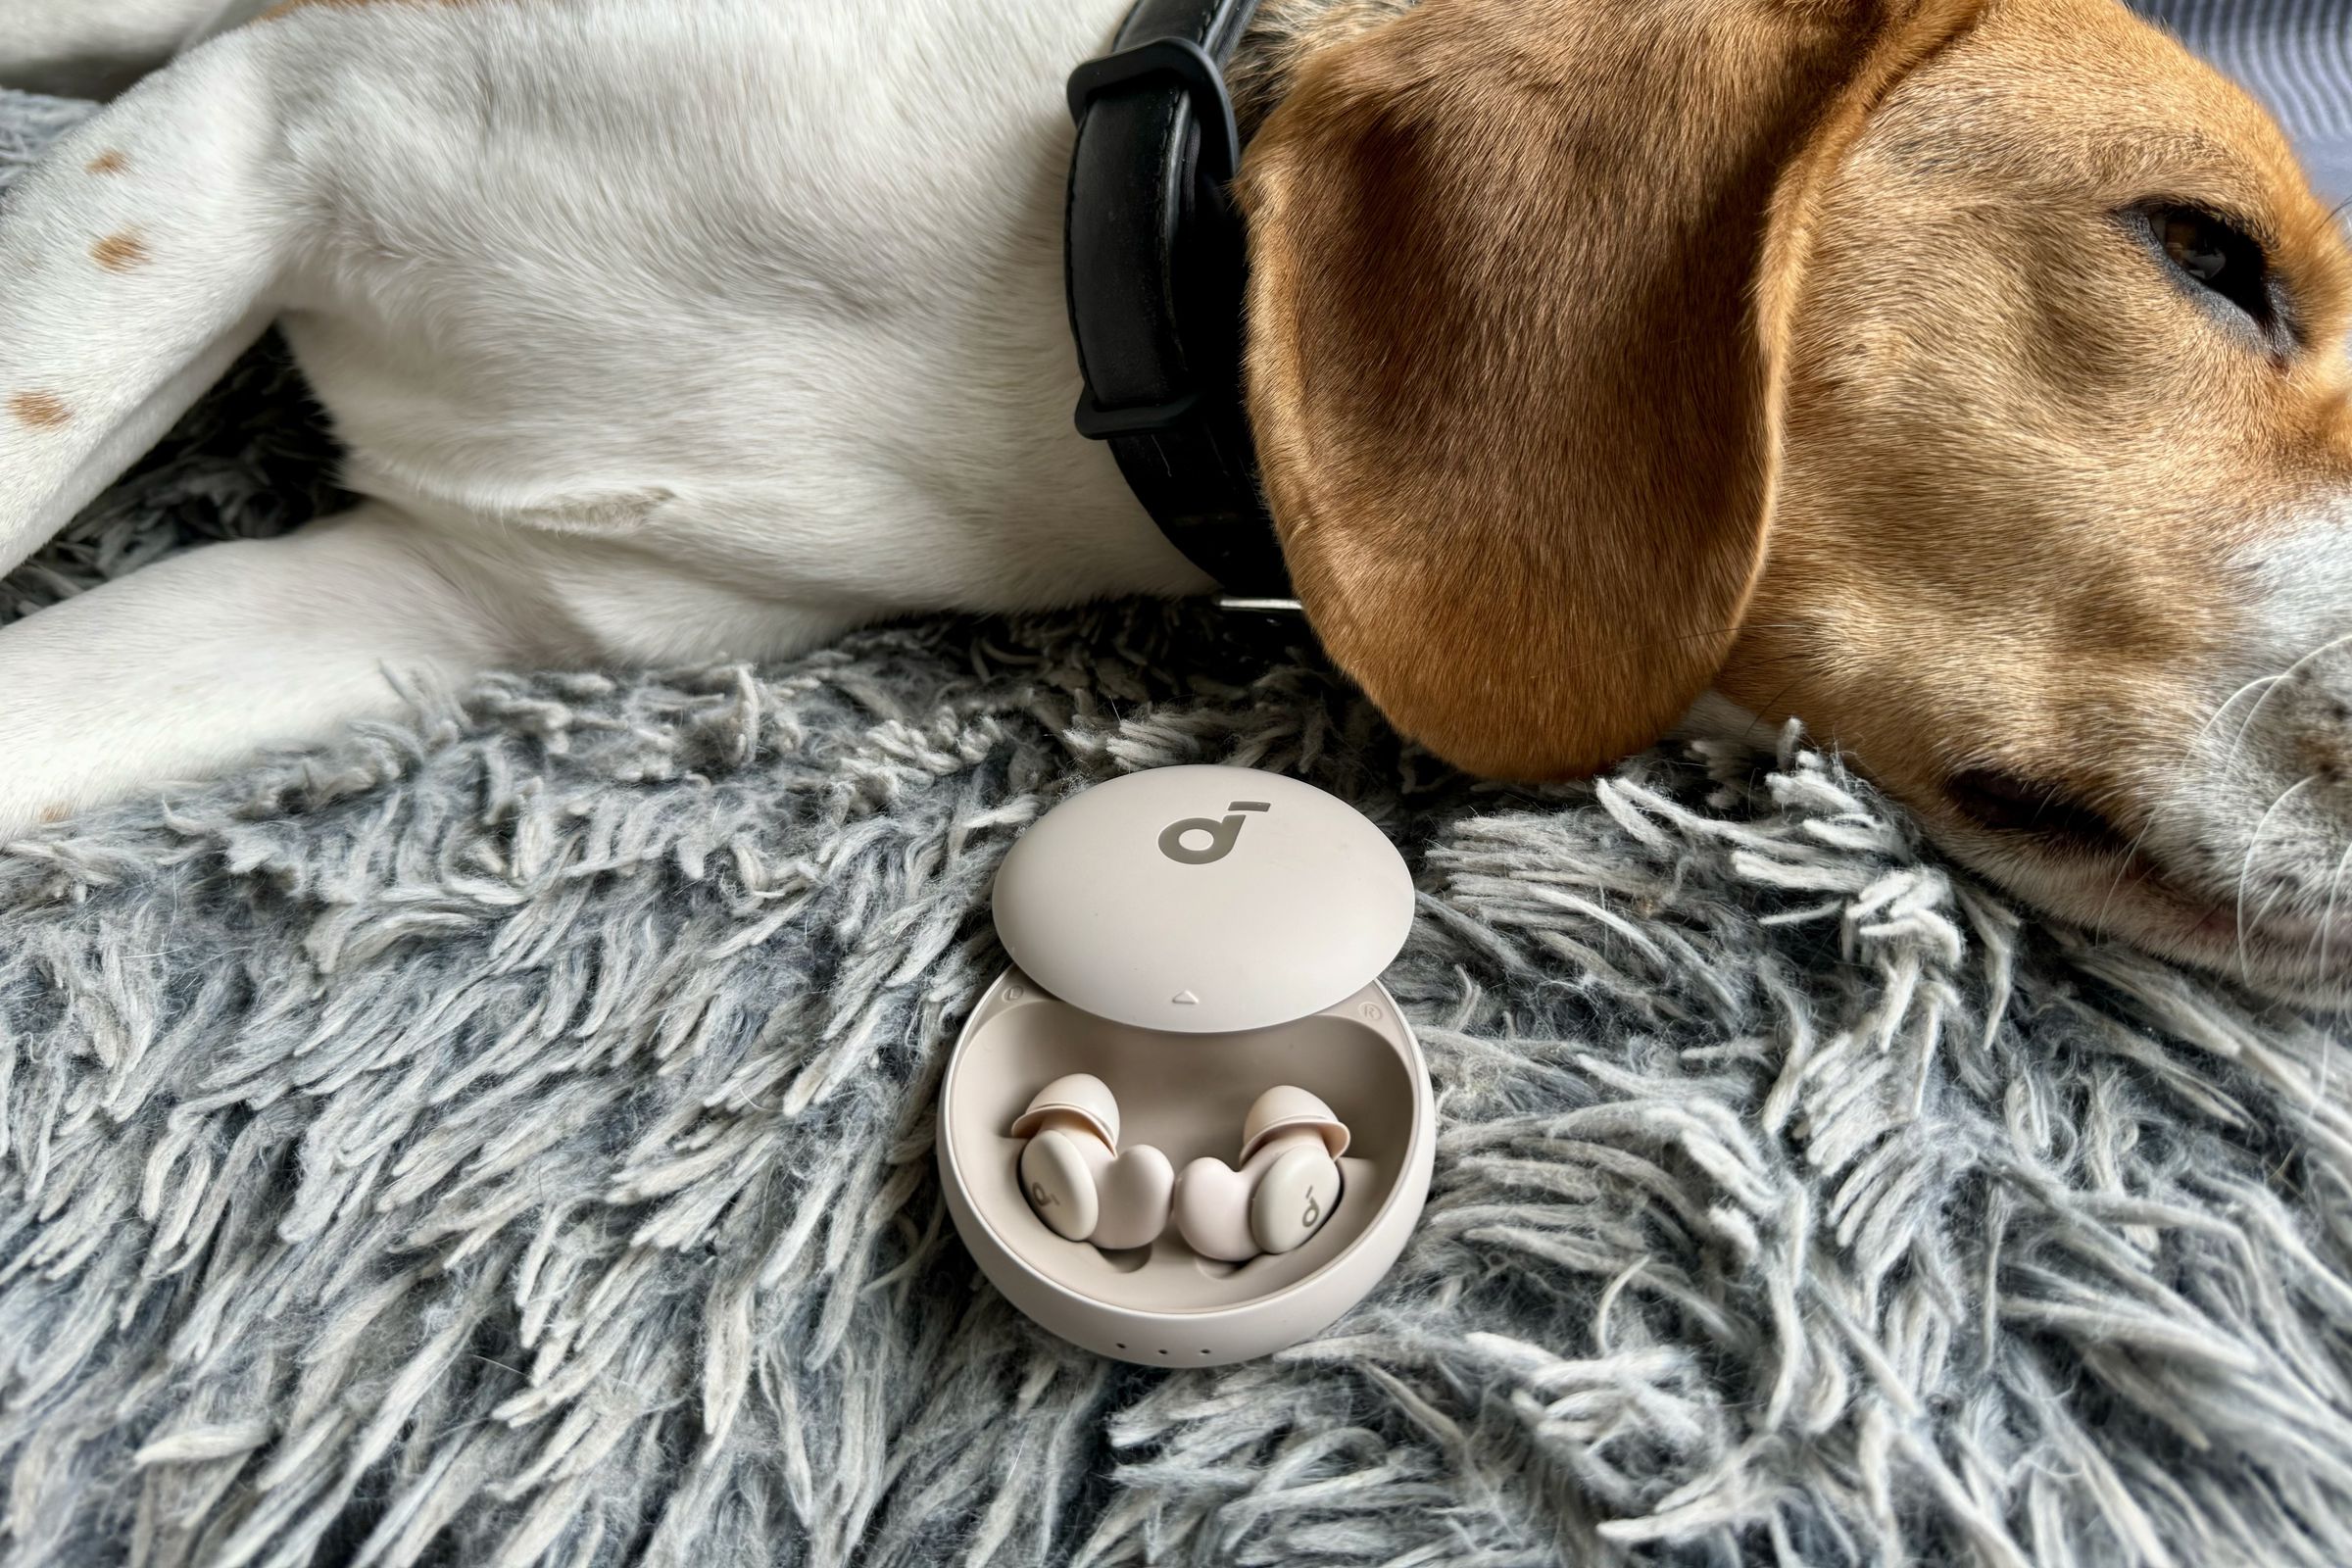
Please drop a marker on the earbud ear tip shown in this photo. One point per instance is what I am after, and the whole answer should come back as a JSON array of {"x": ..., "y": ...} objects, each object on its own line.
[
  {"x": 1286, "y": 1109},
  {"x": 1081, "y": 1096}
]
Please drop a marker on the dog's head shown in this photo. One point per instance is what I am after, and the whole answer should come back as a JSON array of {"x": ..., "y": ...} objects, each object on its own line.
[{"x": 1966, "y": 377}]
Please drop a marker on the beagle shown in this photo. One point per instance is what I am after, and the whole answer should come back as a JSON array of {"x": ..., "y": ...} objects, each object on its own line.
[{"x": 1966, "y": 378}]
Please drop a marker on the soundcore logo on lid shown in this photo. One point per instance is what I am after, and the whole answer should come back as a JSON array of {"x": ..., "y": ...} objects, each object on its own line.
[{"x": 1222, "y": 836}]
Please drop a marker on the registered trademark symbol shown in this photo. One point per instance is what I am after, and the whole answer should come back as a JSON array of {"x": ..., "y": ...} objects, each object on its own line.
[{"x": 1372, "y": 1012}]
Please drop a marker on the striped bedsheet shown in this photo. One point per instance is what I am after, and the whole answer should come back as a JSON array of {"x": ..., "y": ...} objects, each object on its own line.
[{"x": 2296, "y": 55}]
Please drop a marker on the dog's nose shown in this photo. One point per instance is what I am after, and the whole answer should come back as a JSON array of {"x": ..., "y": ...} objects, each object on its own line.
[
  {"x": 2297, "y": 725},
  {"x": 2324, "y": 737},
  {"x": 2327, "y": 755}
]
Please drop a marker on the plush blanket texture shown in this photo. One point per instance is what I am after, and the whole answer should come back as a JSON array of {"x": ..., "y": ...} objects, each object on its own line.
[{"x": 506, "y": 1138}]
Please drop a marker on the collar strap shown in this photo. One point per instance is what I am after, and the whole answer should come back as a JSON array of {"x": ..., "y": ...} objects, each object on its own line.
[{"x": 1156, "y": 266}]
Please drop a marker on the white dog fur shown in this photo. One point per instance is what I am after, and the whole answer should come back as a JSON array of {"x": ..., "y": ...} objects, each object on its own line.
[{"x": 712, "y": 376}]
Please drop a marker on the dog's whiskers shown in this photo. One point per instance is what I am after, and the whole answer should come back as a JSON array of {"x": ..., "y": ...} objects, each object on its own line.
[
  {"x": 2274, "y": 683},
  {"x": 2246, "y": 869},
  {"x": 2326, "y": 933},
  {"x": 2124, "y": 865}
]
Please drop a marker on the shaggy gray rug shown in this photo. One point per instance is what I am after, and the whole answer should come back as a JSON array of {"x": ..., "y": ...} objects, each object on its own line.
[{"x": 506, "y": 1138}]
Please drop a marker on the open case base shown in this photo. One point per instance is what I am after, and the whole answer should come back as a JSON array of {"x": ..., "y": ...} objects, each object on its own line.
[{"x": 1186, "y": 1095}]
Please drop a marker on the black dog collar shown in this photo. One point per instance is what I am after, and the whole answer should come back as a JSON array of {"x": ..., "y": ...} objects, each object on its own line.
[{"x": 1156, "y": 266}]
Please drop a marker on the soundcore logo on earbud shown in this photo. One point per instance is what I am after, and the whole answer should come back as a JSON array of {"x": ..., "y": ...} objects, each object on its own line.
[{"x": 1222, "y": 836}]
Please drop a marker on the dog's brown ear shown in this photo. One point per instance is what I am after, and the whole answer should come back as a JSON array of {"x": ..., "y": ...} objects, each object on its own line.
[{"x": 1517, "y": 269}]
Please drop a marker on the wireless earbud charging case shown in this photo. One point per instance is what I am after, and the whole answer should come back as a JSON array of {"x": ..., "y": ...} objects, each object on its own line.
[{"x": 1193, "y": 937}]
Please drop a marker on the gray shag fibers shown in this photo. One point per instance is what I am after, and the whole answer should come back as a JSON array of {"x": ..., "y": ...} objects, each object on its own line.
[{"x": 505, "y": 1138}]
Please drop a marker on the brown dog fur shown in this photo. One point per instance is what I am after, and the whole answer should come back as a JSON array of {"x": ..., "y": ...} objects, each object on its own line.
[
  {"x": 2035, "y": 395},
  {"x": 1604, "y": 349}
]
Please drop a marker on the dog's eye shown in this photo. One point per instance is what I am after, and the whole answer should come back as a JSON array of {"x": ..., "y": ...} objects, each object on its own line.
[{"x": 2216, "y": 256}]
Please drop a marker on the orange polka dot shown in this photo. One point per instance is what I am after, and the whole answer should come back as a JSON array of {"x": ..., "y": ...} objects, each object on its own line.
[
  {"x": 119, "y": 253},
  {"x": 39, "y": 410}
]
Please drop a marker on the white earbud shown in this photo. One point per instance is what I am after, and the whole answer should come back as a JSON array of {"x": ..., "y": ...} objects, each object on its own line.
[
  {"x": 1286, "y": 1188},
  {"x": 1075, "y": 1175}
]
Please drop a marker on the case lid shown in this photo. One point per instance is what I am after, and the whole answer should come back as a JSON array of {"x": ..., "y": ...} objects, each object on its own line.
[{"x": 1203, "y": 901}]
